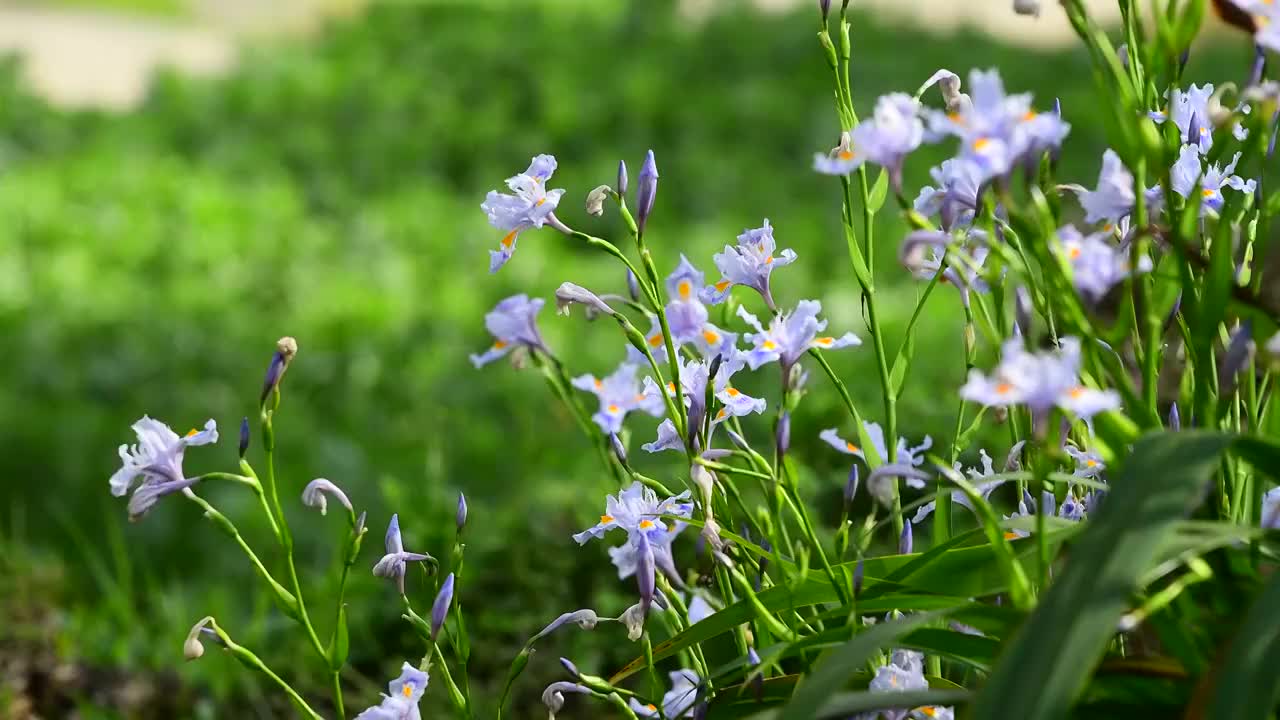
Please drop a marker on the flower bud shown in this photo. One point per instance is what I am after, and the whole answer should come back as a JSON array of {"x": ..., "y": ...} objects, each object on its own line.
[
  {"x": 244, "y": 437},
  {"x": 851, "y": 487},
  {"x": 440, "y": 608},
  {"x": 286, "y": 348},
  {"x": 568, "y": 294},
  {"x": 192, "y": 648},
  {"x": 904, "y": 541},
  {"x": 1022, "y": 308},
  {"x": 596, "y": 198},
  {"x": 622, "y": 177},
  {"x": 633, "y": 287},
  {"x": 1175, "y": 422},
  {"x": 783, "y": 436},
  {"x": 1239, "y": 352},
  {"x": 824, "y": 7},
  {"x": 857, "y": 578},
  {"x": 618, "y": 449},
  {"x": 313, "y": 495},
  {"x": 570, "y": 668},
  {"x": 646, "y": 190},
  {"x": 460, "y": 518}
]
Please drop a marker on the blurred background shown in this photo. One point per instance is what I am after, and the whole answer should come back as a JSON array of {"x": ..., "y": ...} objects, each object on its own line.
[{"x": 184, "y": 181}]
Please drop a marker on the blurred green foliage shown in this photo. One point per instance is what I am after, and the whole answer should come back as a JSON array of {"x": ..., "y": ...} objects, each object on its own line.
[{"x": 330, "y": 190}]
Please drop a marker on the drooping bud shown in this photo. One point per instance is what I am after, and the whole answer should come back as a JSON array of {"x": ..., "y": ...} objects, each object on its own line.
[
  {"x": 192, "y": 648},
  {"x": 912, "y": 253},
  {"x": 553, "y": 696},
  {"x": 1013, "y": 461},
  {"x": 440, "y": 608},
  {"x": 737, "y": 440},
  {"x": 460, "y": 518},
  {"x": 783, "y": 437},
  {"x": 244, "y": 437},
  {"x": 622, "y": 177},
  {"x": 568, "y": 294},
  {"x": 646, "y": 190},
  {"x": 596, "y": 198},
  {"x": 313, "y": 495},
  {"x": 286, "y": 348},
  {"x": 904, "y": 541}
]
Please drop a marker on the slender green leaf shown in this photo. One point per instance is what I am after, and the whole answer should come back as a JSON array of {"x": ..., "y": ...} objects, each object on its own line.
[
  {"x": 1248, "y": 679},
  {"x": 879, "y": 191},
  {"x": 832, "y": 671},
  {"x": 1048, "y": 662}
]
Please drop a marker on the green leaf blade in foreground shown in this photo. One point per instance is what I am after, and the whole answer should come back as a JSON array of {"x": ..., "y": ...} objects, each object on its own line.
[
  {"x": 1049, "y": 660},
  {"x": 1248, "y": 679}
]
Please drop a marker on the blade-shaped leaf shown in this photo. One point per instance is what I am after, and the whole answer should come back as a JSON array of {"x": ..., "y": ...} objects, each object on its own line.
[
  {"x": 832, "y": 671},
  {"x": 1248, "y": 680},
  {"x": 1047, "y": 663}
]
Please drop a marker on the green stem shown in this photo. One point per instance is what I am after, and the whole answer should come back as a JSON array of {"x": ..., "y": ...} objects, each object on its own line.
[
  {"x": 227, "y": 526},
  {"x": 455, "y": 695},
  {"x": 337, "y": 695}
]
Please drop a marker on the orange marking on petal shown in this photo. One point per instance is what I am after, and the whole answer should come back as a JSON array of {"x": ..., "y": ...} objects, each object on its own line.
[
  {"x": 671, "y": 387},
  {"x": 825, "y": 341},
  {"x": 1004, "y": 389},
  {"x": 684, "y": 289},
  {"x": 407, "y": 690},
  {"x": 720, "y": 415},
  {"x": 768, "y": 260},
  {"x": 1076, "y": 392},
  {"x": 1073, "y": 252},
  {"x": 723, "y": 285},
  {"x": 1029, "y": 115},
  {"x": 499, "y": 344},
  {"x": 1010, "y": 535},
  {"x": 851, "y": 447},
  {"x": 711, "y": 336},
  {"x": 733, "y": 392},
  {"x": 646, "y": 524},
  {"x": 1091, "y": 463},
  {"x": 192, "y": 432},
  {"x": 606, "y": 519},
  {"x": 769, "y": 345},
  {"x": 845, "y": 154},
  {"x": 540, "y": 202},
  {"x": 510, "y": 239},
  {"x": 651, "y": 707},
  {"x": 981, "y": 143},
  {"x": 614, "y": 409},
  {"x": 1208, "y": 192},
  {"x": 598, "y": 383},
  {"x": 655, "y": 339}
]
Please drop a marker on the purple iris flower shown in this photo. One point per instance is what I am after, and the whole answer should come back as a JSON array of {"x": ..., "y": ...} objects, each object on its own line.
[
  {"x": 1071, "y": 509},
  {"x": 958, "y": 497},
  {"x": 955, "y": 199},
  {"x": 401, "y": 702},
  {"x": 903, "y": 673},
  {"x": 694, "y": 376},
  {"x": 1189, "y": 111},
  {"x": 748, "y": 263},
  {"x": 1096, "y": 265},
  {"x": 513, "y": 324},
  {"x": 638, "y": 511},
  {"x": 394, "y": 564},
  {"x": 1089, "y": 464},
  {"x": 964, "y": 272},
  {"x": 894, "y": 130},
  {"x": 157, "y": 459},
  {"x": 998, "y": 131},
  {"x": 1113, "y": 200},
  {"x": 1040, "y": 381},
  {"x": 1188, "y": 170},
  {"x": 687, "y": 315},
  {"x": 1266, "y": 21},
  {"x": 531, "y": 206},
  {"x": 1271, "y": 509},
  {"x": 619, "y": 394},
  {"x": 678, "y": 702},
  {"x": 905, "y": 454},
  {"x": 790, "y": 335}
]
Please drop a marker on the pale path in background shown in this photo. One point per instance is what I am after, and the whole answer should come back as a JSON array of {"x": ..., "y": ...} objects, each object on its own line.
[{"x": 82, "y": 58}]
